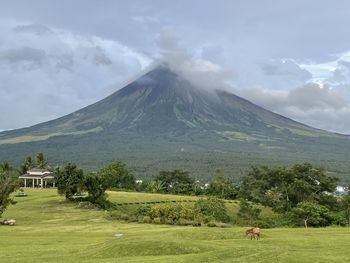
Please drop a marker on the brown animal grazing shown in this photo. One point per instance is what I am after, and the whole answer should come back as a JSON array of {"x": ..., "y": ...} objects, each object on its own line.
[{"x": 253, "y": 233}]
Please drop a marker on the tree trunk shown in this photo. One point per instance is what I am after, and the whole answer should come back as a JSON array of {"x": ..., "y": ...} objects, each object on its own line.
[{"x": 305, "y": 222}]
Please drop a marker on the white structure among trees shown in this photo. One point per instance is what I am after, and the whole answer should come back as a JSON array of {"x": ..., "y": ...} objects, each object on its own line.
[{"x": 37, "y": 177}]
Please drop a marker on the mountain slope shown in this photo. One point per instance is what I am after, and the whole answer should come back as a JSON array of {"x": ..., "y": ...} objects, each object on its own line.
[{"x": 162, "y": 121}]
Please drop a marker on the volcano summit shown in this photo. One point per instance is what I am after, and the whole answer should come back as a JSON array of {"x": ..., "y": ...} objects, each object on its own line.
[{"x": 162, "y": 121}]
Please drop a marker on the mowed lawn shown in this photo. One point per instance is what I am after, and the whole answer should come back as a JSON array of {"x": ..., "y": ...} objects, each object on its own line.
[{"x": 50, "y": 230}]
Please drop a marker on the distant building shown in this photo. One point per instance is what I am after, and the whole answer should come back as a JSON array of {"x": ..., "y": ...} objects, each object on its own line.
[
  {"x": 37, "y": 177},
  {"x": 341, "y": 190}
]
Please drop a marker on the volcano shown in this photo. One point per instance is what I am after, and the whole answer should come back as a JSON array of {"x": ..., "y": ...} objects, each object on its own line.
[{"x": 163, "y": 121}]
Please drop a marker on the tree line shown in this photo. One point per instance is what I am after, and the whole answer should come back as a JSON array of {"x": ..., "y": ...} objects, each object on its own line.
[{"x": 300, "y": 194}]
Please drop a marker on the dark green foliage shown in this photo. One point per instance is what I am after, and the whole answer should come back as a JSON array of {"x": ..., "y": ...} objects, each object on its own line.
[
  {"x": 312, "y": 214},
  {"x": 345, "y": 205},
  {"x": 222, "y": 187},
  {"x": 69, "y": 180},
  {"x": 41, "y": 161},
  {"x": 26, "y": 165},
  {"x": 171, "y": 212},
  {"x": 8, "y": 184},
  {"x": 248, "y": 212},
  {"x": 96, "y": 186},
  {"x": 116, "y": 175},
  {"x": 284, "y": 188},
  {"x": 176, "y": 181},
  {"x": 154, "y": 186},
  {"x": 212, "y": 208},
  {"x": 144, "y": 210}
]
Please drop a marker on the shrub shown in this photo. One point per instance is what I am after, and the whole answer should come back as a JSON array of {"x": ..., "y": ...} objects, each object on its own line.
[
  {"x": 172, "y": 212},
  {"x": 168, "y": 221},
  {"x": 157, "y": 220},
  {"x": 213, "y": 208},
  {"x": 197, "y": 221},
  {"x": 144, "y": 210},
  {"x": 114, "y": 215},
  {"x": 211, "y": 224},
  {"x": 125, "y": 217},
  {"x": 147, "y": 219},
  {"x": 140, "y": 219},
  {"x": 184, "y": 222}
]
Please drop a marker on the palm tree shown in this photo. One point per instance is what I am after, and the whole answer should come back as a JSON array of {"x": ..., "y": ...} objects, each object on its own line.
[
  {"x": 41, "y": 161},
  {"x": 5, "y": 167},
  {"x": 155, "y": 186},
  {"x": 27, "y": 164}
]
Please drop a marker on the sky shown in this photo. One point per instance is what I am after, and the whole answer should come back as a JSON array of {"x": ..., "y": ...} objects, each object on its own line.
[{"x": 291, "y": 57}]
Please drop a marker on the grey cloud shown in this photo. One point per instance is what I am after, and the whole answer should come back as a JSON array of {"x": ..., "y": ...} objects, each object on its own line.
[
  {"x": 100, "y": 57},
  {"x": 322, "y": 107},
  {"x": 286, "y": 68},
  {"x": 23, "y": 54},
  {"x": 33, "y": 28},
  {"x": 312, "y": 96},
  {"x": 72, "y": 71},
  {"x": 342, "y": 73}
]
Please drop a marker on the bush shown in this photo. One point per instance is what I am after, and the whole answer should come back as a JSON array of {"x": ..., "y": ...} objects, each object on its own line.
[
  {"x": 103, "y": 203},
  {"x": 147, "y": 219},
  {"x": 144, "y": 210},
  {"x": 185, "y": 222},
  {"x": 157, "y": 220},
  {"x": 125, "y": 217},
  {"x": 168, "y": 221},
  {"x": 197, "y": 221},
  {"x": 211, "y": 224},
  {"x": 172, "y": 212},
  {"x": 115, "y": 215},
  {"x": 213, "y": 208}
]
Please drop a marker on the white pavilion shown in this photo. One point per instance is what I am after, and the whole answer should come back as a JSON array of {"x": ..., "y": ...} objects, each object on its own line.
[{"x": 37, "y": 177}]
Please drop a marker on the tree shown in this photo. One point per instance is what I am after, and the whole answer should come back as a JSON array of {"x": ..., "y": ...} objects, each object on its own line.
[
  {"x": 247, "y": 211},
  {"x": 346, "y": 205},
  {"x": 312, "y": 214},
  {"x": 8, "y": 184},
  {"x": 69, "y": 180},
  {"x": 41, "y": 161},
  {"x": 176, "y": 181},
  {"x": 283, "y": 188},
  {"x": 155, "y": 186},
  {"x": 212, "y": 208},
  {"x": 222, "y": 187},
  {"x": 117, "y": 175},
  {"x": 26, "y": 165},
  {"x": 96, "y": 186}
]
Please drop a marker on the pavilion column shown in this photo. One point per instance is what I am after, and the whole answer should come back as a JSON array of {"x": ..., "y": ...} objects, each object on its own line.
[
  {"x": 33, "y": 182},
  {"x": 42, "y": 183},
  {"x": 25, "y": 182}
]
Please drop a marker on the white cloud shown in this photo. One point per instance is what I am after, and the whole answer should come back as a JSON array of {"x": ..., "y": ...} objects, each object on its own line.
[
  {"x": 203, "y": 73},
  {"x": 47, "y": 72},
  {"x": 317, "y": 105}
]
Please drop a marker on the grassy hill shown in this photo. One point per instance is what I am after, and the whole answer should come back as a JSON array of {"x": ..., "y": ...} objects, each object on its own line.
[{"x": 51, "y": 230}]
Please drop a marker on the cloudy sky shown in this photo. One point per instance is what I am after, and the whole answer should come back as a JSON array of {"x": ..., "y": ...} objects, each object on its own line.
[{"x": 292, "y": 57}]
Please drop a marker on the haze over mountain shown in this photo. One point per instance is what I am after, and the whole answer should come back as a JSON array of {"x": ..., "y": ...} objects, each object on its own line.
[{"x": 163, "y": 121}]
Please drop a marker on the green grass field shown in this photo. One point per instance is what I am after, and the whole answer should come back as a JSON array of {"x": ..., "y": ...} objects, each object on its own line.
[{"x": 50, "y": 230}]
